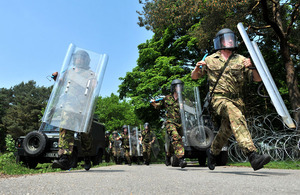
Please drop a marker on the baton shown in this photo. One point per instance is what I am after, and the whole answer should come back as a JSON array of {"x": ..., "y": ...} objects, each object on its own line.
[{"x": 203, "y": 59}]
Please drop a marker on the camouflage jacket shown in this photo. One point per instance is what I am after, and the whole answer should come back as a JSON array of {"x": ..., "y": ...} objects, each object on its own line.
[
  {"x": 125, "y": 140},
  {"x": 147, "y": 136},
  {"x": 172, "y": 109},
  {"x": 234, "y": 76}
]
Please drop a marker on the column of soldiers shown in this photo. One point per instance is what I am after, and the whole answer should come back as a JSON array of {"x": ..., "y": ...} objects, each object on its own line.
[{"x": 125, "y": 147}]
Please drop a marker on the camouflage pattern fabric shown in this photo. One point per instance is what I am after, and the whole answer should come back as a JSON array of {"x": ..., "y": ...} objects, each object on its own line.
[
  {"x": 116, "y": 149},
  {"x": 173, "y": 130},
  {"x": 125, "y": 145},
  {"x": 66, "y": 142},
  {"x": 173, "y": 123},
  {"x": 147, "y": 137},
  {"x": 227, "y": 105}
]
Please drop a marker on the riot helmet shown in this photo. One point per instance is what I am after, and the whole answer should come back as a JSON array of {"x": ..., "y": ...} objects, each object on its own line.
[
  {"x": 81, "y": 59},
  {"x": 107, "y": 132},
  {"x": 115, "y": 132},
  {"x": 178, "y": 83},
  {"x": 225, "y": 39},
  {"x": 146, "y": 126}
]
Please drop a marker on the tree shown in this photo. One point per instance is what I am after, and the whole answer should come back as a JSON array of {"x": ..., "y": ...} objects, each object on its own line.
[
  {"x": 274, "y": 24},
  {"x": 114, "y": 113},
  {"x": 26, "y": 101}
]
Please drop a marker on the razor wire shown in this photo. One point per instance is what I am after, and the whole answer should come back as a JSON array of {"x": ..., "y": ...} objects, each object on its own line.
[{"x": 271, "y": 136}]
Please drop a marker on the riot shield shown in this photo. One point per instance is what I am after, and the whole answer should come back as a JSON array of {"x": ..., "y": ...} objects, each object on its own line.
[
  {"x": 73, "y": 98},
  {"x": 195, "y": 134},
  {"x": 155, "y": 146},
  {"x": 134, "y": 142}
]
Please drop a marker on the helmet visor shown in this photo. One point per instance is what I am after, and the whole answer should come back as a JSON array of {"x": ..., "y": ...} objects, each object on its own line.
[{"x": 225, "y": 41}]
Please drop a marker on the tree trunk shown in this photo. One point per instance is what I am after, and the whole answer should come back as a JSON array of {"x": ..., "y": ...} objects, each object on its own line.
[{"x": 291, "y": 79}]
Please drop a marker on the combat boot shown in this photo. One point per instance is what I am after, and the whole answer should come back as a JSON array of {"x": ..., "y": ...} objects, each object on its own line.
[
  {"x": 258, "y": 161},
  {"x": 87, "y": 163},
  {"x": 211, "y": 160},
  {"x": 168, "y": 161},
  {"x": 63, "y": 163},
  {"x": 182, "y": 163}
]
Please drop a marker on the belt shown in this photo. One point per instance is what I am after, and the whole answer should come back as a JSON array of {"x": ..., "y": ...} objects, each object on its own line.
[{"x": 228, "y": 95}]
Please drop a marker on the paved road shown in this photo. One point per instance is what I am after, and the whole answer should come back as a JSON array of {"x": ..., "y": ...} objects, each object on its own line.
[{"x": 156, "y": 179}]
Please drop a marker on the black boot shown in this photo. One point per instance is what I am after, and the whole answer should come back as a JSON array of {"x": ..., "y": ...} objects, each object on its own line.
[
  {"x": 168, "y": 161},
  {"x": 182, "y": 163},
  {"x": 211, "y": 160},
  {"x": 63, "y": 163},
  {"x": 258, "y": 161},
  {"x": 87, "y": 163}
]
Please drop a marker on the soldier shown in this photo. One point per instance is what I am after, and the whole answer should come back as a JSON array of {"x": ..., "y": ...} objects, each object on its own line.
[
  {"x": 147, "y": 139},
  {"x": 81, "y": 61},
  {"x": 115, "y": 145},
  {"x": 107, "y": 147},
  {"x": 226, "y": 103},
  {"x": 173, "y": 122},
  {"x": 125, "y": 144}
]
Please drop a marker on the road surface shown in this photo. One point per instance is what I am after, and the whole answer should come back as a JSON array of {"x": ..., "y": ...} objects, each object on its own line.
[{"x": 156, "y": 179}]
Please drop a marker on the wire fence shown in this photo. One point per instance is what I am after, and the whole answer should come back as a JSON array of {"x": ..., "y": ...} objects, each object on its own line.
[{"x": 271, "y": 136}]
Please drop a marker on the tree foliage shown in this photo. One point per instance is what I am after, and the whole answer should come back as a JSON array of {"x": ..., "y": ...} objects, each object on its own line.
[
  {"x": 114, "y": 113},
  {"x": 274, "y": 24},
  {"x": 21, "y": 108}
]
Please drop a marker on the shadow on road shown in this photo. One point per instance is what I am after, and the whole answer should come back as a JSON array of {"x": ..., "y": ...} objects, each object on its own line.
[{"x": 248, "y": 173}]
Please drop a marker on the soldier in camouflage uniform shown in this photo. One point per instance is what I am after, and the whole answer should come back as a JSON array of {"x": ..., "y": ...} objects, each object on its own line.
[
  {"x": 227, "y": 104},
  {"x": 173, "y": 122},
  {"x": 107, "y": 147},
  {"x": 148, "y": 139},
  {"x": 115, "y": 143},
  {"x": 81, "y": 62},
  {"x": 125, "y": 144}
]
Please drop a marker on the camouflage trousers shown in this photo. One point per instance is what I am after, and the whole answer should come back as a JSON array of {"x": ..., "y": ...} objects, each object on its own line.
[
  {"x": 232, "y": 121},
  {"x": 66, "y": 142},
  {"x": 173, "y": 131},
  {"x": 127, "y": 154},
  {"x": 146, "y": 152}
]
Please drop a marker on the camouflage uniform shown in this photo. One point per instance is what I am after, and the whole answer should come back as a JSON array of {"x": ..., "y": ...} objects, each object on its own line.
[
  {"x": 147, "y": 137},
  {"x": 126, "y": 147},
  {"x": 66, "y": 141},
  {"x": 116, "y": 150},
  {"x": 173, "y": 124},
  {"x": 226, "y": 103}
]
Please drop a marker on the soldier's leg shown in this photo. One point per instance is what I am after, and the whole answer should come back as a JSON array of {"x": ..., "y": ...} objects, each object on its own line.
[
  {"x": 176, "y": 140},
  {"x": 149, "y": 153},
  {"x": 239, "y": 128},
  {"x": 127, "y": 155},
  {"x": 145, "y": 152},
  {"x": 86, "y": 143},
  {"x": 65, "y": 144}
]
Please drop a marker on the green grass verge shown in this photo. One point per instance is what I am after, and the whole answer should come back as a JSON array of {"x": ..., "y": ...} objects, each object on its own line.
[
  {"x": 272, "y": 164},
  {"x": 8, "y": 166}
]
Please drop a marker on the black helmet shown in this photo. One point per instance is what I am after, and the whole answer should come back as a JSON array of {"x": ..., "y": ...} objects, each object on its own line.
[
  {"x": 115, "y": 132},
  {"x": 124, "y": 127},
  {"x": 146, "y": 125},
  {"x": 84, "y": 59},
  {"x": 176, "y": 82},
  {"x": 107, "y": 132},
  {"x": 225, "y": 35}
]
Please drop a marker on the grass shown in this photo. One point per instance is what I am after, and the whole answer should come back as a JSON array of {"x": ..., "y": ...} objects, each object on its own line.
[
  {"x": 9, "y": 167},
  {"x": 272, "y": 164}
]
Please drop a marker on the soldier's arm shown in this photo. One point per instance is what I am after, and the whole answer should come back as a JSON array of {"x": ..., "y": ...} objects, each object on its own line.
[{"x": 199, "y": 70}]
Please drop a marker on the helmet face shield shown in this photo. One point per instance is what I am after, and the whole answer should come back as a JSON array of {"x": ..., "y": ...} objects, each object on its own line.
[
  {"x": 81, "y": 59},
  {"x": 225, "y": 41}
]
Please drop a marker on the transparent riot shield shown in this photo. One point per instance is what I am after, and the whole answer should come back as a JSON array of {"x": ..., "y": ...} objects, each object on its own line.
[
  {"x": 155, "y": 146},
  {"x": 134, "y": 142},
  {"x": 195, "y": 134},
  {"x": 73, "y": 98}
]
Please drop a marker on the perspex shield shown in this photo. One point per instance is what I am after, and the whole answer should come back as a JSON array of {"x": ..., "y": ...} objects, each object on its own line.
[
  {"x": 73, "y": 98},
  {"x": 195, "y": 134}
]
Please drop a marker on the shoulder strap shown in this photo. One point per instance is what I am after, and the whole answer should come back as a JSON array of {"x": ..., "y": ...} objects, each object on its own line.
[{"x": 222, "y": 70}]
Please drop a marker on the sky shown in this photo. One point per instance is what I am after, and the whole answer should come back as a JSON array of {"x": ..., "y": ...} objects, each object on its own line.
[{"x": 36, "y": 34}]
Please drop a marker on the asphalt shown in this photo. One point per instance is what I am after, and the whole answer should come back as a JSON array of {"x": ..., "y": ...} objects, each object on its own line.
[{"x": 156, "y": 179}]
